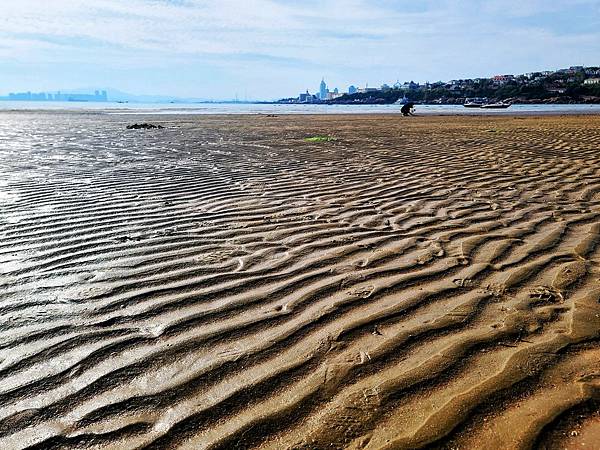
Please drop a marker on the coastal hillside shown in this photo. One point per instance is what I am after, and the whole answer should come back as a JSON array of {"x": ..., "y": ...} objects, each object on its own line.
[{"x": 574, "y": 85}]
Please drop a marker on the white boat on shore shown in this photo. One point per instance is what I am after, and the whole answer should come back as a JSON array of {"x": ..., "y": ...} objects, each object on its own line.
[
  {"x": 496, "y": 105},
  {"x": 479, "y": 102},
  {"x": 476, "y": 102}
]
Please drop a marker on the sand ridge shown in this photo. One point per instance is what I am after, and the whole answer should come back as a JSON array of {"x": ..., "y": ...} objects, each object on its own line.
[{"x": 429, "y": 282}]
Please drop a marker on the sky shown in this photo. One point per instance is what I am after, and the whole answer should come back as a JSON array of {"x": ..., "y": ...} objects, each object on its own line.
[{"x": 268, "y": 49}]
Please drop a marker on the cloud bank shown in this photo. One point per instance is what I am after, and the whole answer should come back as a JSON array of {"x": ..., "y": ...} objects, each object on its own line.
[{"x": 273, "y": 48}]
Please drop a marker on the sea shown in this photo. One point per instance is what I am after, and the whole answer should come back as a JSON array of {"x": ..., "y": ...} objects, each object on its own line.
[{"x": 261, "y": 108}]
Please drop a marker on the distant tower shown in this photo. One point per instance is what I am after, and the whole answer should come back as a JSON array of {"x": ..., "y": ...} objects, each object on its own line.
[
  {"x": 352, "y": 90},
  {"x": 323, "y": 90}
]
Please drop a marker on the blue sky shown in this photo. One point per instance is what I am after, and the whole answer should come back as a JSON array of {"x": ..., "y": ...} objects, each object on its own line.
[{"x": 275, "y": 48}]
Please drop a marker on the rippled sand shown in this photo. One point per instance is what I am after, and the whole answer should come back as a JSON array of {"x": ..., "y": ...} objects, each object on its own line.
[{"x": 222, "y": 283}]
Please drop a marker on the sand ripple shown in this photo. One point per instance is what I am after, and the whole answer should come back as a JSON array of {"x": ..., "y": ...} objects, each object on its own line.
[{"x": 222, "y": 283}]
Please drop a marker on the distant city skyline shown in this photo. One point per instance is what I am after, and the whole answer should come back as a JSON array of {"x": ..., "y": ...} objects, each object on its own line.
[
  {"x": 58, "y": 96},
  {"x": 567, "y": 76},
  {"x": 268, "y": 49},
  {"x": 573, "y": 84}
]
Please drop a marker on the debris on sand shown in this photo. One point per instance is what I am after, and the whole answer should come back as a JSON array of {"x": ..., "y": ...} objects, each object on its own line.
[
  {"x": 143, "y": 126},
  {"x": 319, "y": 139},
  {"x": 462, "y": 282},
  {"x": 544, "y": 294}
]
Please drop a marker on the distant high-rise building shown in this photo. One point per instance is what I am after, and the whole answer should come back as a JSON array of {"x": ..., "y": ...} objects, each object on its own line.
[
  {"x": 352, "y": 90},
  {"x": 323, "y": 90},
  {"x": 307, "y": 98},
  {"x": 336, "y": 91}
]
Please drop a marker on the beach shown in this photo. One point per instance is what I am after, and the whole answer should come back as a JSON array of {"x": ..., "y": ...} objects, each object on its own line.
[{"x": 228, "y": 282}]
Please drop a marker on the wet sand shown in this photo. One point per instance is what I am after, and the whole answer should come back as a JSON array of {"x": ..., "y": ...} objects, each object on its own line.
[{"x": 430, "y": 282}]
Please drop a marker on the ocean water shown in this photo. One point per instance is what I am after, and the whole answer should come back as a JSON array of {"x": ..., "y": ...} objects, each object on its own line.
[{"x": 220, "y": 108}]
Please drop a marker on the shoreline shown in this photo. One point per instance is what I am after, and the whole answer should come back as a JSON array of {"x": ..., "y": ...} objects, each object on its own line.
[
  {"x": 183, "y": 115},
  {"x": 227, "y": 109}
]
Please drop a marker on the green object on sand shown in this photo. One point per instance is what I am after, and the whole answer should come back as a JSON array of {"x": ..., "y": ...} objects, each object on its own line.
[{"x": 319, "y": 139}]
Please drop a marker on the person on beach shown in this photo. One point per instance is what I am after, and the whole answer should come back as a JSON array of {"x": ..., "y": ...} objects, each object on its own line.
[{"x": 408, "y": 109}]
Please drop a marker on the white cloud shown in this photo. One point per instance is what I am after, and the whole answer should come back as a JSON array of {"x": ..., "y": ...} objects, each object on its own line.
[{"x": 274, "y": 39}]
